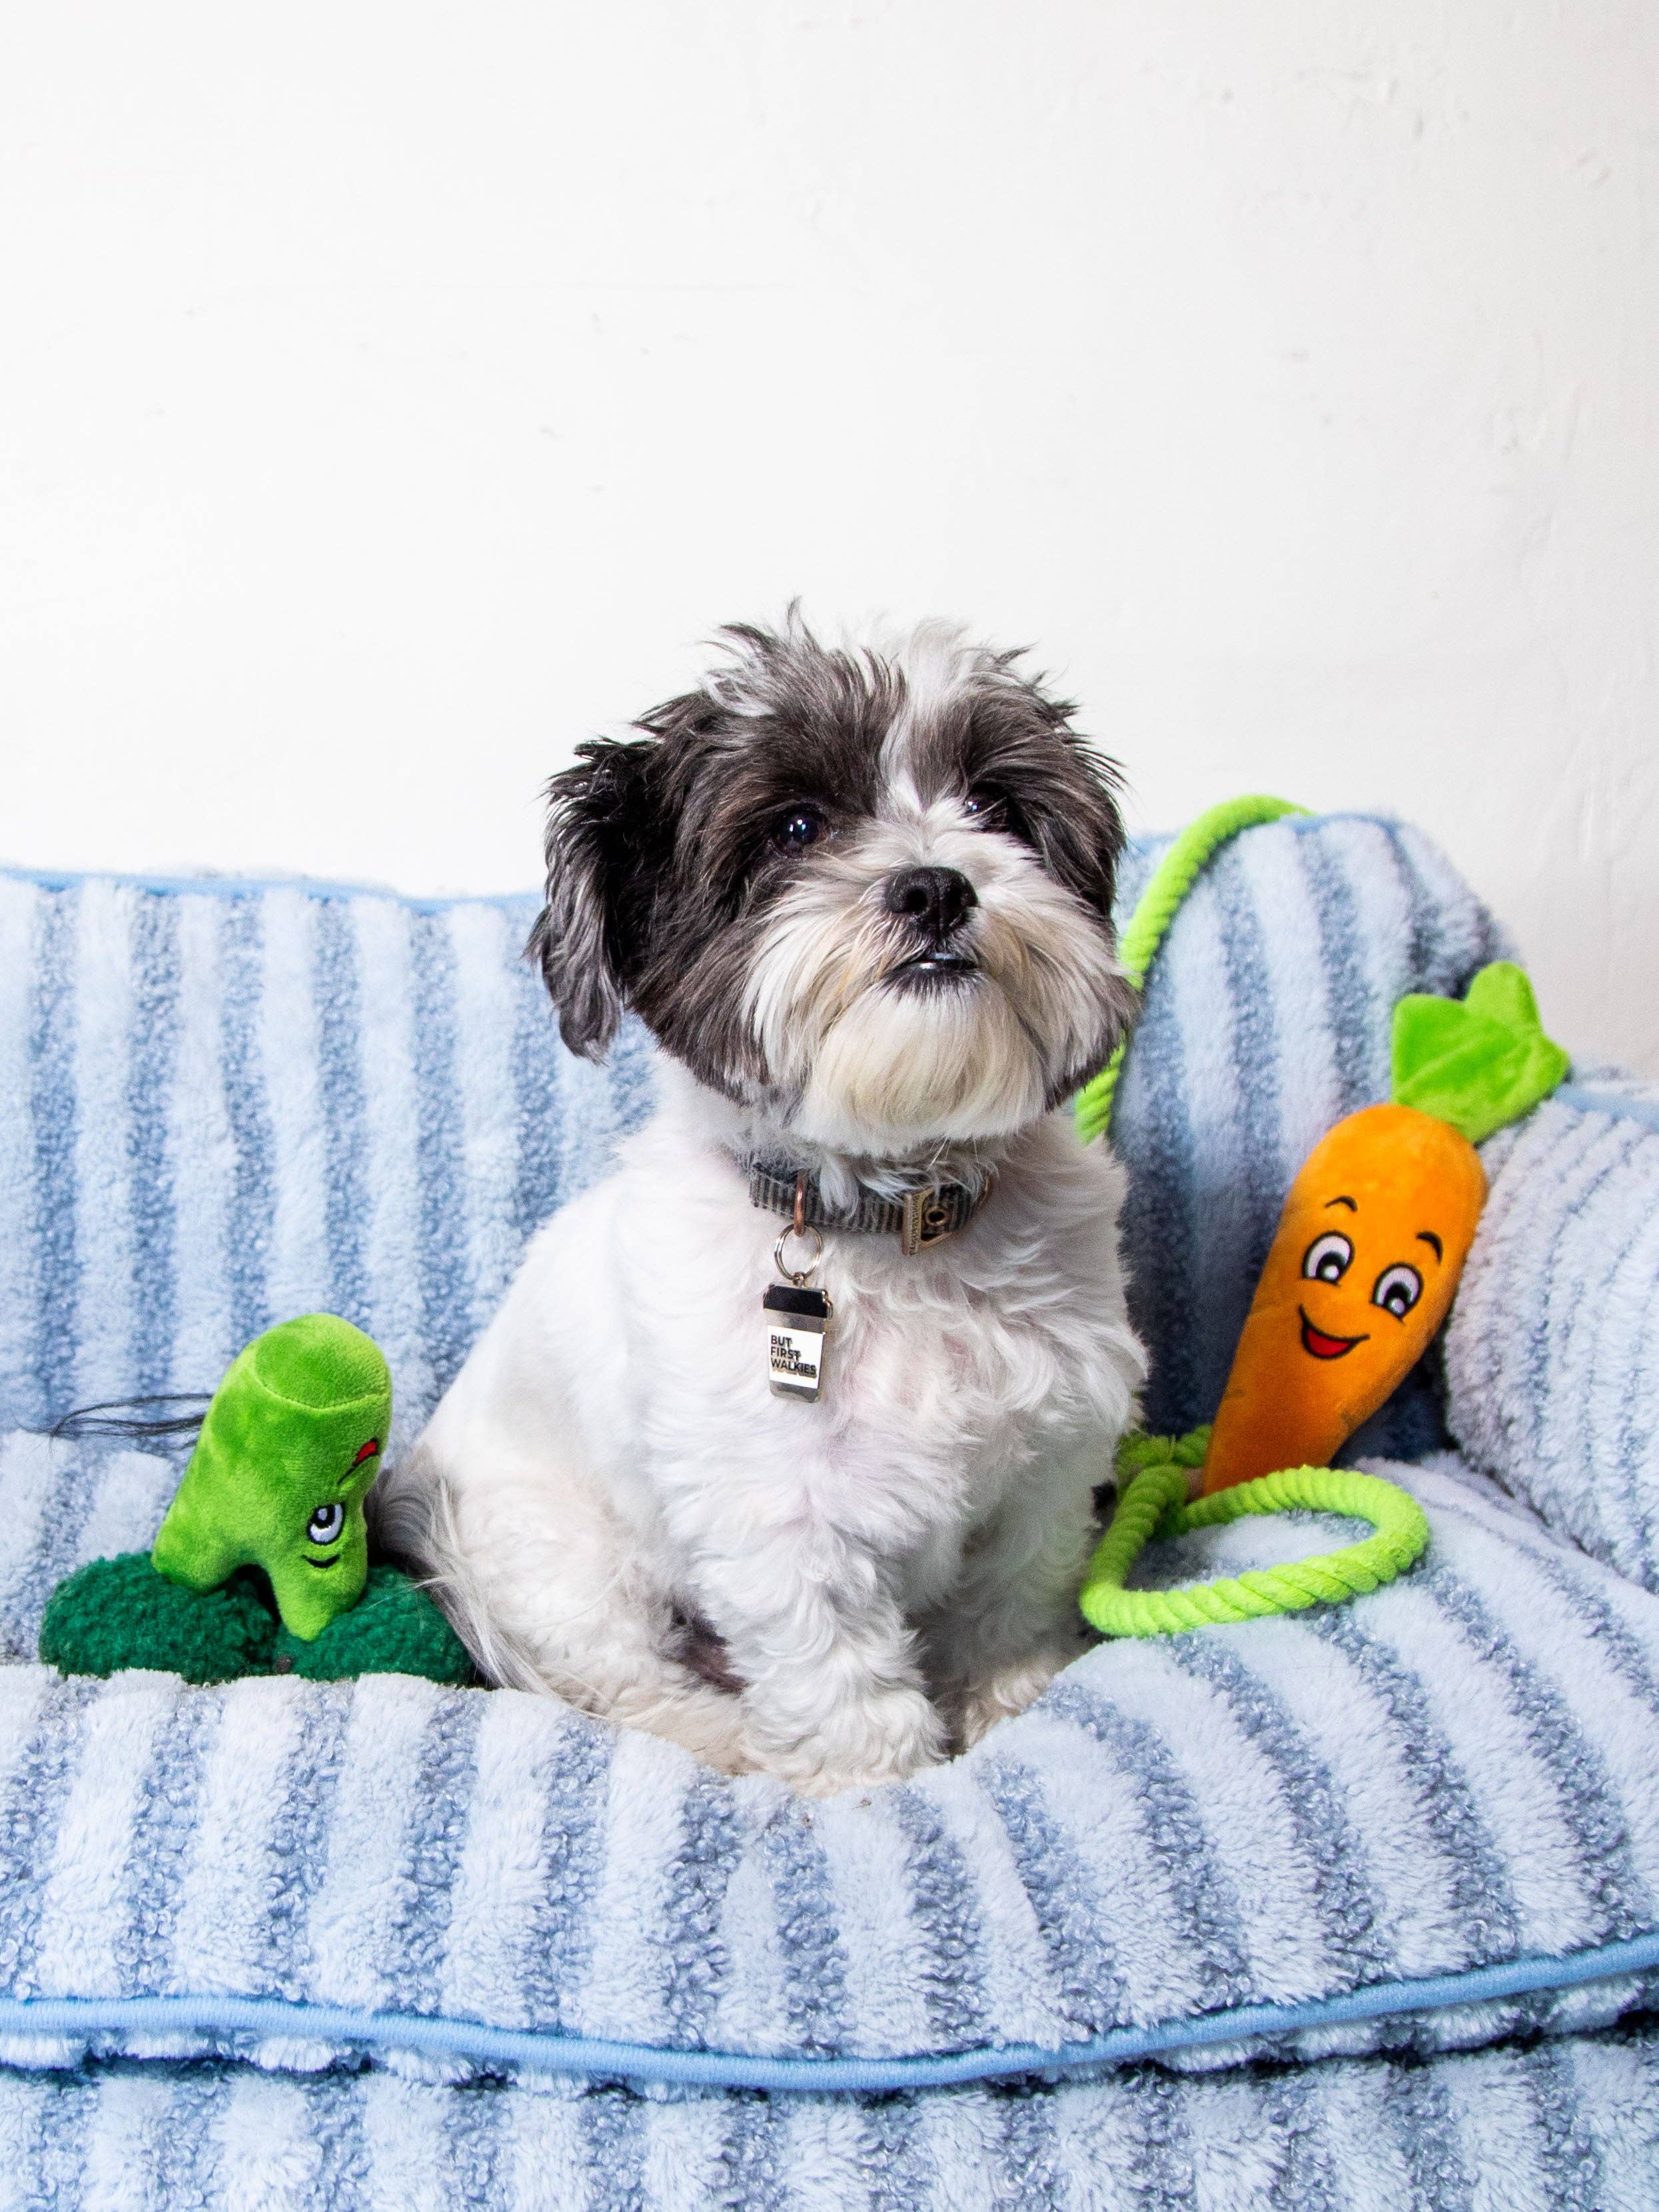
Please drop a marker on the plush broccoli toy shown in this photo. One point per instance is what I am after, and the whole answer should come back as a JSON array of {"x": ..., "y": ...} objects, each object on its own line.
[
  {"x": 289, "y": 1449},
  {"x": 261, "y": 1565}
]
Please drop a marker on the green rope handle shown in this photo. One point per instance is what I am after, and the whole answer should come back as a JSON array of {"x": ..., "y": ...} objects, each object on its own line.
[
  {"x": 1171, "y": 880},
  {"x": 1155, "y": 1504}
]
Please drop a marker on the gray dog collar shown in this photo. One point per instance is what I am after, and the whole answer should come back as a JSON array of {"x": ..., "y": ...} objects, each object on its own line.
[{"x": 919, "y": 1218}]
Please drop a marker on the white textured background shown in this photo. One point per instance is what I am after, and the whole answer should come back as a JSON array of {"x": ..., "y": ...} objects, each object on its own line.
[{"x": 390, "y": 395}]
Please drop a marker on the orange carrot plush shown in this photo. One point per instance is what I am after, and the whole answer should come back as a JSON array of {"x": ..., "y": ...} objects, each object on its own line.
[
  {"x": 1367, "y": 1254},
  {"x": 1376, "y": 1230}
]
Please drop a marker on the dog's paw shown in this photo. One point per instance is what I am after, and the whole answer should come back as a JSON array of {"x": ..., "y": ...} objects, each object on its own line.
[
  {"x": 886, "y": 1735},
  {"x": 1009, "y": 1690}
]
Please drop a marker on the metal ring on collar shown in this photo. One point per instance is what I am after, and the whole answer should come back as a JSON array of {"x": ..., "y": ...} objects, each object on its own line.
[{"x": 798, "y": 1277}]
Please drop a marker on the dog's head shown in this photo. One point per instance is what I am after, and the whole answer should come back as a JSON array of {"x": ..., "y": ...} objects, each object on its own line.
[{"x": 867, "y": 891}]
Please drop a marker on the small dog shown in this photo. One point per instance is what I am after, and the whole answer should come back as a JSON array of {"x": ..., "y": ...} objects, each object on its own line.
[{"x": 861, "y": 897}]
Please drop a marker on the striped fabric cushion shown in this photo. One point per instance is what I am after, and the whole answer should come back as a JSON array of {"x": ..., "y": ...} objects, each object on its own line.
[
  {"x": 1552, "y": 1353},
  {"x": 1550, "y": 2127},
  {"x": 221, "y": 1104},
  {"x": 224, "y": 1104},
  {"x": 1423, "y": 1821}
]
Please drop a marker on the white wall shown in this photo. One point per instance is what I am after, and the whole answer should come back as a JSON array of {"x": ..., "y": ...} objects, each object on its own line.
[{"x": 389, "y": 395}]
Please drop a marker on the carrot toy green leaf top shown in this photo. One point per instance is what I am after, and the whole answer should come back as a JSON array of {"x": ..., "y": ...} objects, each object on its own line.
[{"x": 1478, "y": 1062}]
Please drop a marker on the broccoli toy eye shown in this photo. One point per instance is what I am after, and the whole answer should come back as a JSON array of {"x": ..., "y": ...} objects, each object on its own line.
[
  {"x": 1398, "y": 1290},
  {"x": 1328, "y": 1258},
  {"x": 326, "y": 1524}
]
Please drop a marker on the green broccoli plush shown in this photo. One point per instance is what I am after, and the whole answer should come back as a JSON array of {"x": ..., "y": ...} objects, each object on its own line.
[
  {"x": 261, "y": 1565},
  {"x": 289, "y": 1449}
]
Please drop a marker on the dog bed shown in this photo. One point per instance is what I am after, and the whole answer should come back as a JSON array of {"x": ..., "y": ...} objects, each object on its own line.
[{"x": 1357, "y": 1908}]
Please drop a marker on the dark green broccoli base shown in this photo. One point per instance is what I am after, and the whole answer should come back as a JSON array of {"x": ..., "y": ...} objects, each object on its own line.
[
  {"x": 120, "y": 1613},
  {"x": 394, "y": 1628}
]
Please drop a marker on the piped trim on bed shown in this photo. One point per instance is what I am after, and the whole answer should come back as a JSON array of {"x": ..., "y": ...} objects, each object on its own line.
[{"x": 96, "y": 2019}]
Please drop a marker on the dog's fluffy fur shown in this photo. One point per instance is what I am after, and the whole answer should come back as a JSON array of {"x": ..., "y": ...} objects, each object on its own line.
[{"x": 862, "y": 899}]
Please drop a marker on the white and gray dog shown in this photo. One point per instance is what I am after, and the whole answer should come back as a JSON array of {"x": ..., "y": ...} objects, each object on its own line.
[{"x": 861, "y": 897}]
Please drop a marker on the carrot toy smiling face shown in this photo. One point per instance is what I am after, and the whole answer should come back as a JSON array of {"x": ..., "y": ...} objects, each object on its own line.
[
  {"x": 1376, "y": 1230},
  {"x": 1360, "y": 1278}
]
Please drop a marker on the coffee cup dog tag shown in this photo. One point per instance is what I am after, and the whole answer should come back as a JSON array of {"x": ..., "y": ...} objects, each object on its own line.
[{"x": 797, "y": 1318}]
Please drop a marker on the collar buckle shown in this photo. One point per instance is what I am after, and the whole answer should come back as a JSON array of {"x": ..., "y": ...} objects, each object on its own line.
[{"x": 927, "y": 1221}]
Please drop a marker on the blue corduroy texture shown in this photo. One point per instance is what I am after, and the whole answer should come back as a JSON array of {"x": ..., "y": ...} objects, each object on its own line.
[{"x": 222, "y": 1104}]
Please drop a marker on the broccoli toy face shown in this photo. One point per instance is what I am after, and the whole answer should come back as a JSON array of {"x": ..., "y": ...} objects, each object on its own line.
[{"x": 288, "y": 1449}]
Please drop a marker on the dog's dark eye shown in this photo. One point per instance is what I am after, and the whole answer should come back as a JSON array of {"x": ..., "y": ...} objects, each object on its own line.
[
  {"x": 801, "y": 827},
  {"x": 989, "y": 807}
]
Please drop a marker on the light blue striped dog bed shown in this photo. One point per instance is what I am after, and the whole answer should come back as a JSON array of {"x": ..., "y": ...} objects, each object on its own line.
[
  {"x": 1552, "y": 1357},
  {"x": 1358, "y": 1909}
]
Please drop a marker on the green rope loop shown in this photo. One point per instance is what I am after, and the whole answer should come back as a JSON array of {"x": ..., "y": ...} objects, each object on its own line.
[
  {"x": 1171, "y": 880},
  {"x": 1155, "y": 1504},
  {"x": 1138, "y": 1450}
]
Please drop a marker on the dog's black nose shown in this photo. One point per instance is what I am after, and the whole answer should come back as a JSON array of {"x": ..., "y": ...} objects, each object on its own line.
[{"x": 935, "y": 898}]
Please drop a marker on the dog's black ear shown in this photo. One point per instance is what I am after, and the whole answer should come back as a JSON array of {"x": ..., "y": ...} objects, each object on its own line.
[{"x": 604, "y": 840}]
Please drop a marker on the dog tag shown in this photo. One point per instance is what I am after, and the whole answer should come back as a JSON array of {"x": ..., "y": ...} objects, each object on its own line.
[{"x": 797, "y": 1318}]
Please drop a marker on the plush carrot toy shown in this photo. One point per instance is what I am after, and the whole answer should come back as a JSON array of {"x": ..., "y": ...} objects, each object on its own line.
[
  {"x": 1360, "y": 1275},
  {"x": 1376, "y": 1230}
]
